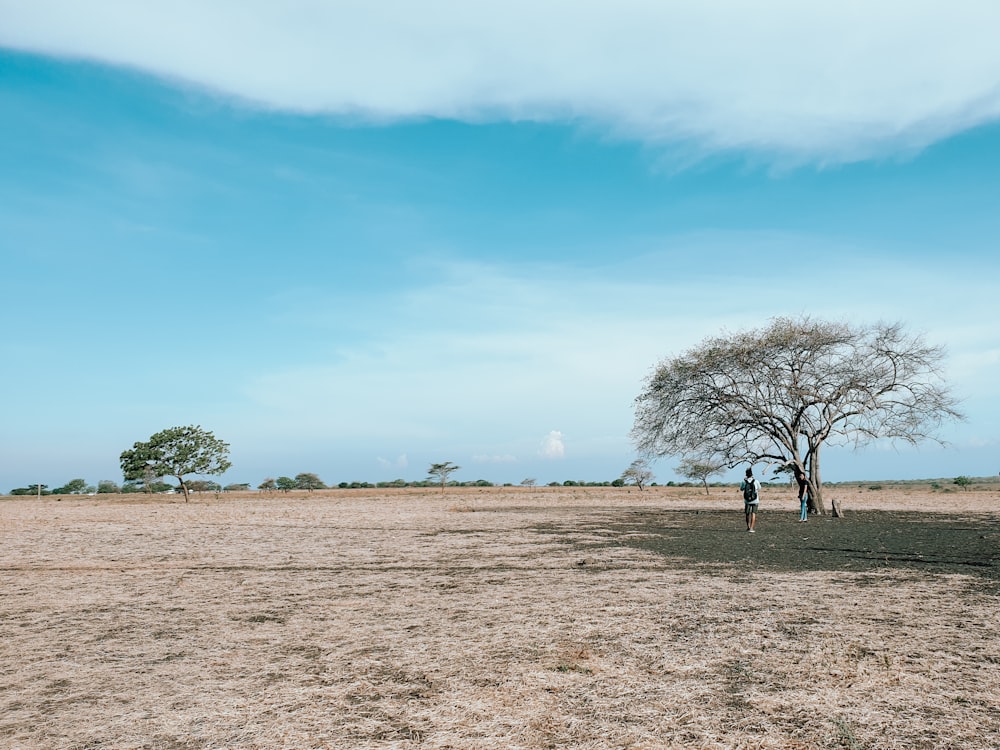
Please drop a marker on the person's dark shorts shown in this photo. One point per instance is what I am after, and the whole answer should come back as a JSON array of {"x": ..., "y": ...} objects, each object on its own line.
[{"x": 749, "y": 508}]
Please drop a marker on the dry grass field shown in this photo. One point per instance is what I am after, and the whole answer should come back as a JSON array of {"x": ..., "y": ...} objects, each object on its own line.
[{"x": 500, "y": 618}]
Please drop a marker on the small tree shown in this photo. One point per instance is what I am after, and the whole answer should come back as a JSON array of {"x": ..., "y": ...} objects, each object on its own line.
[
  {"x": 697, "y": 470},
  {"x": 176, "y": 452},
  {"x": 529, "y": 482},
  {"x": 285, "y": 484},
  {"x": 309, "y": 481},
  {"x": 638, "y": 473},
  {"x": 107, "y": 487},
  {"x": 963, "y": 482},
  {"x": 268, "y": 485},
  {"x": 441, "y": 472}
]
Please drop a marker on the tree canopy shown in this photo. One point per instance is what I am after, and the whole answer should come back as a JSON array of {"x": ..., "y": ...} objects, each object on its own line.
[
  {"x": 176, "y": 452},
  {"x": 778, "y": 394},
  {"x": 285, "y": 484}
]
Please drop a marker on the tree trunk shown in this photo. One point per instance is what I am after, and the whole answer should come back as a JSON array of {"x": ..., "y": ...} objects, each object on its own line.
[
  {"x": 815, "y": 483},
  {"x": 183, "y": 487}
]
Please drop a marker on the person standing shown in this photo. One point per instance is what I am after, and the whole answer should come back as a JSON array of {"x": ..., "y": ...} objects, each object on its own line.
[
  {"x": 800, "y": 478},
  {"x": 751, "y": 499}
]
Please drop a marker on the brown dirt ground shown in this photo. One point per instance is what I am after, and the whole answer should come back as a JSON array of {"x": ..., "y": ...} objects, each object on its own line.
[{"x": 488, "y": 618}]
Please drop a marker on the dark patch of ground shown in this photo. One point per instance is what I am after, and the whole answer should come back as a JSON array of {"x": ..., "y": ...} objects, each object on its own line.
[{"x": 863, "y": 541}]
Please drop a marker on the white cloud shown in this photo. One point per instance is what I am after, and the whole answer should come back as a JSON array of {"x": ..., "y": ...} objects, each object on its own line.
[
  {"x": 824, "y": 81},
  {"x": 553, "y": 446}
]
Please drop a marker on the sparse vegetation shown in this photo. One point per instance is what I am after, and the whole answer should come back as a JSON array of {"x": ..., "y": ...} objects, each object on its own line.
[{"x": 548, "y": 617}]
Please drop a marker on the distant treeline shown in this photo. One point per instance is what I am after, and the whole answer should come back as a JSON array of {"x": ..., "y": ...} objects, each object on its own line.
[
  {"x": 305, "y": 481},
  {"x": 311, "y": 481}
]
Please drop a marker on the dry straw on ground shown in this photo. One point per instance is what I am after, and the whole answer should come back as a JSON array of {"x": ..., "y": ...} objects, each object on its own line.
[{"x": 495, "y": 618}]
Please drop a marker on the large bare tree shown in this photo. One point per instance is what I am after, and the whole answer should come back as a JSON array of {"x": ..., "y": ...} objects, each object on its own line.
[{"x": 779, "y": 394}]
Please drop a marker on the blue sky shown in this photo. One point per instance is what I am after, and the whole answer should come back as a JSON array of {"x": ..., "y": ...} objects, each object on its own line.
[{"x": 357, "y": 242}]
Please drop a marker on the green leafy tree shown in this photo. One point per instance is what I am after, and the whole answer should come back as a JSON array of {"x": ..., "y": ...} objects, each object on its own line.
[
  {"x": 963, "y": 482},
  {"x": 779, "y": 394},
  {"x": 237, "y": 487},
  {"x": 285, "y": 484},
  {"x": 700, "y": 470},
  {"x": 176, "y": 452},
  {"x": 309, "y": 481},
  {"x": 441, "y": 472},
  {"x": 268, "y": 485},
  {"x": 107, "y": 487},
  {"x": 638, "y": 473}
]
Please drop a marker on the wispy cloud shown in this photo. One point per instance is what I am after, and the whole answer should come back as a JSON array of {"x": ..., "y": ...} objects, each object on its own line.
[
  {"x": 827, "y": 82},
  {"x": 522, "y": 347},
  {"x": 400, "y": 463}
]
